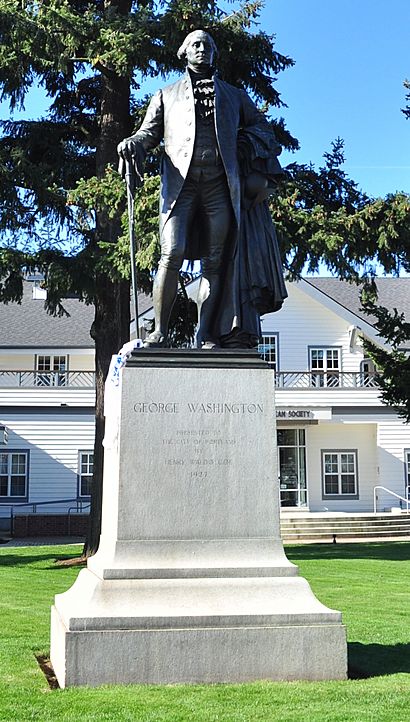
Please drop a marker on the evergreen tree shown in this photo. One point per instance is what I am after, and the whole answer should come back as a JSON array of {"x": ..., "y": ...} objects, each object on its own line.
[
  {"x": 393, "y": 366},
  {"x": 322, "y": 217}
]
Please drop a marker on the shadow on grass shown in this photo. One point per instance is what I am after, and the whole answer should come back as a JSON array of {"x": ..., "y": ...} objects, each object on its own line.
[
  {"x": 391, "y": 551},
  {"x": 17, "y": 560},
  {"x": 377, "y": 660}
]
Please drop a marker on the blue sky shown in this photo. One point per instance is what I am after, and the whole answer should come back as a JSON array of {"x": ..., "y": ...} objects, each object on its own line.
[{"x": 351, "y": 60}]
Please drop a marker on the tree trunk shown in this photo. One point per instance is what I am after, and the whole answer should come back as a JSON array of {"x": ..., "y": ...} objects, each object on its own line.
[
  {"x": 111, "y": 326},
  {"x": 110, "y": 331}
]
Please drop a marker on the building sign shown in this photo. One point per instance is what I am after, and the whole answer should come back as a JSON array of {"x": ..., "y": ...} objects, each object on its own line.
[
  {"x": 303, "y": 414},
  {"x": 294, "y": 414}
]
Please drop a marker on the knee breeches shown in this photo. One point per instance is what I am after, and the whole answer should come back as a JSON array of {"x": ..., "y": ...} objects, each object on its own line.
[{"x": 204, "y": 200}]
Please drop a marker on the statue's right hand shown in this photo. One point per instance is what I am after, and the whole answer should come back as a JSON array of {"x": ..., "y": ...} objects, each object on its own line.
[{"x": 127, "y": 149}]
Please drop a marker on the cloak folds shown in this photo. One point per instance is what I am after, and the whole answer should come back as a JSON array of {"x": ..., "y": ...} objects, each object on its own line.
[{"x": 254, "y": 283}]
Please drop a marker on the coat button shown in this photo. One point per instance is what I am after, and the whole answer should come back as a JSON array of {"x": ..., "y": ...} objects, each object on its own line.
[{"x": 188, "y": 139}]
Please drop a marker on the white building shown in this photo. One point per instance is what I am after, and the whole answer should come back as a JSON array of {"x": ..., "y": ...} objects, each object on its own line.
[
  {"x": 336, "y": 439},
  {"x": 47, "y": 402}
]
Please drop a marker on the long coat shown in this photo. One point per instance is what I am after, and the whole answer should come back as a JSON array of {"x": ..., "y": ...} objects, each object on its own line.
[
  {"x": 171, "y": 117},
  {"x": 253, "y": 278}
]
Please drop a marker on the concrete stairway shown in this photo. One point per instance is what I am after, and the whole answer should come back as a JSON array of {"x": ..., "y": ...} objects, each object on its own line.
[{"x": 322, "y": 527}]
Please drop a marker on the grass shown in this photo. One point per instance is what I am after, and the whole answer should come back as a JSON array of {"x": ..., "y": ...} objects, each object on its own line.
[{"x": 370, "y": 583}]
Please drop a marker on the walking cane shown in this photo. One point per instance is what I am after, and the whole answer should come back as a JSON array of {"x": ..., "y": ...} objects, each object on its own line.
[{"x": 131, "y": 184}]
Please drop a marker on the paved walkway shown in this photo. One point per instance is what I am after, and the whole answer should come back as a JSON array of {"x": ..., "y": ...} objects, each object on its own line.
[
  {"x": 52, "y": 541},
  {"x": 42, "y": 541}
]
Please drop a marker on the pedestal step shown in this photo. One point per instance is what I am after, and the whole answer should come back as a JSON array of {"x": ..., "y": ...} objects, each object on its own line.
[
  {"x": 192, "y": 630},
  {"x": 198, "y": 655}
]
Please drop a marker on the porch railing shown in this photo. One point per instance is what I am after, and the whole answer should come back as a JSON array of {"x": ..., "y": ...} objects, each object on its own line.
[
  {"x": 77, "y": 506},
  {"x": 325, "y": 380},
  {"x": 47, "y": 379},
  {"x": 284, "y": 379}
]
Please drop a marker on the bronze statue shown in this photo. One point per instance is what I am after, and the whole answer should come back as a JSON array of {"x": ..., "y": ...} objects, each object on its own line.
[{"x": 218, "y": 167}]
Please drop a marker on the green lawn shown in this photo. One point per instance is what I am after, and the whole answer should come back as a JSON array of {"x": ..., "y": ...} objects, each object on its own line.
[{"x": 370, "y": 583}]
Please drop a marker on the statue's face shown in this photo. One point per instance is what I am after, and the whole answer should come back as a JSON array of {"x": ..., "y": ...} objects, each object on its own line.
[{"x": 199, "y": 51}]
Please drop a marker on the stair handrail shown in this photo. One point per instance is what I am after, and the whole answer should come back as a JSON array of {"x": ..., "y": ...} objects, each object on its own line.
[
  {"x": 35, "y": 504},
  {"x": 389, "y": 491},
  {"x": 78, "y": 509}
]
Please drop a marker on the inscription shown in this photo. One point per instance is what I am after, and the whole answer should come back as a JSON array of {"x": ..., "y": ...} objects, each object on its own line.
[
  {"x": 204, "y": 451},
  {"x": 225, "y": 408},
  {"x": 211, "y": 462},
  {"x": 152, "y": 407},
  {"x": 198, "y": 439},
  {"x": 211, "y": 407}
]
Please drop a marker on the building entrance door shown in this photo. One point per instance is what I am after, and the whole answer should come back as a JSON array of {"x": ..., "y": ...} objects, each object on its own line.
[{"x": 292, "y": 467}]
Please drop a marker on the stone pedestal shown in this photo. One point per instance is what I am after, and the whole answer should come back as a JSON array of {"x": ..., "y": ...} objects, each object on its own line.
[{"x": 191, "y": 583}]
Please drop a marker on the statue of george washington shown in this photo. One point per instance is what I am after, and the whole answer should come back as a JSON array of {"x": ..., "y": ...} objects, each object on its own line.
[{"x": 218, "y": 167}]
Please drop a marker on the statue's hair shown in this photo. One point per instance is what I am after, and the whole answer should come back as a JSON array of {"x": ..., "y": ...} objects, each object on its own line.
[{"x": 182, "y": 50}]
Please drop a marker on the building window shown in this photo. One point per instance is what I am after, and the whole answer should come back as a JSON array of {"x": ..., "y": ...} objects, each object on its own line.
[
  {"x": 13, "y": 474},
  {"x": 268, "y": 349},
  {"x": 325, "y": 366},
  {"x": 339, "y": 469},
  {"x": 85, "y": 472},
  {"x": 51, "y": 370},
  {"x": 292, "y": 467},
  {"x": 367, "y": 372}
]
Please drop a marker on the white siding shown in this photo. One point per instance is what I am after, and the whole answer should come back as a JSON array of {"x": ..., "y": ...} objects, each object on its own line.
[
  {"x": 392, "y": 439},
  {"x": 360, "y": 437},
  {"x": 304, "y": 322},
  {"x": 24, "y": 359},
  {"x": 17, "y": 362},
  {"x": 81, "y": 362},
  {"x": 53, "y": 443},
  {"x": 328, "y": 397},
  {"x": 55, "y": 396}
]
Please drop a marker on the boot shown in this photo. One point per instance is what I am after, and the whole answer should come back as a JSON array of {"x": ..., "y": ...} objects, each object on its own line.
[
  {"x": 208, "y": 304},
  {"x": 164, "y": 294}
]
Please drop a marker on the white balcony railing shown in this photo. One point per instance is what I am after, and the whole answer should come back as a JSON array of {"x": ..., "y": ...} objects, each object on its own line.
[
  {"x": 283, "y": 379},
  {"x": 325, "y": 380},
  {"x": 47, "y": 379}
]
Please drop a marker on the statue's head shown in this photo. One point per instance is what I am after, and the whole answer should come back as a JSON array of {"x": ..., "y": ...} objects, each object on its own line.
[{"x": 199, "y": 49}]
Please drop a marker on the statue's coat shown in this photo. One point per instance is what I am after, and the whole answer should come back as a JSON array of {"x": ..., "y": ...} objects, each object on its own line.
[{"x": 171, "y": 116}]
